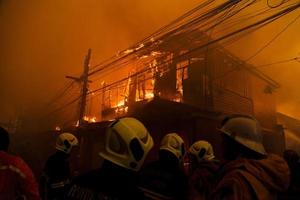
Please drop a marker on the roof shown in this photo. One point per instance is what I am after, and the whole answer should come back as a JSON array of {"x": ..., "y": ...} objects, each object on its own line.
[{"x": 159, "y": 109}]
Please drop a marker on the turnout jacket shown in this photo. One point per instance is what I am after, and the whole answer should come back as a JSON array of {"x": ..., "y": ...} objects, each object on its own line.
[
  {"x": 247, "y": 179},
  {"x": 16, "y": 179}
]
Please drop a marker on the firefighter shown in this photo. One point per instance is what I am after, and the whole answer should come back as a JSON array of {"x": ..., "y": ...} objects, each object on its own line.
[
  {"x": 165, "y": 178},
  {"x": 126, "y": 147},
  {"x": 57, "y": 173},
  {"x": 203, "y": 170},
  {"x": 249, "y": 172},
  {"x": 16, "y": 178},
  {"x": 292, "y": 159}
]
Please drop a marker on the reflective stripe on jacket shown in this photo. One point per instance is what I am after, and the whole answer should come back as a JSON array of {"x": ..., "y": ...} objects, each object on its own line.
[{"x": 16, "y": 179}]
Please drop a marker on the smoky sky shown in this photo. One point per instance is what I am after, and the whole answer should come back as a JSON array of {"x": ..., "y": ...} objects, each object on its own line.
[{"x": 42, "y": 41}]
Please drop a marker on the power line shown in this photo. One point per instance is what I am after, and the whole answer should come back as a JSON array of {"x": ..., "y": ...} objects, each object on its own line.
[
  {"x": 297, "y": 59},
  {"x": 242, "y": 19},
  {"x": 255, "y": 25},
  {"x": 114, "y": 62},
  {"x": 206, "y": 15},
  {"x": 169, "y": 38},
  {"x": 63, "y": 106},
  {"x": 211, "y": 13},
  {"x": 61, "y": 94},
  {"x": 274, "y": 38},
  {"x": 275, "y": 6},
  {"x": 164, "y": 28},
  {"x": 261, "y": 49}
]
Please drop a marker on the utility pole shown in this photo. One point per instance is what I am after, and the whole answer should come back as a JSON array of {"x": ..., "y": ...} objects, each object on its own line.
[{"x": 84, "y": 90}]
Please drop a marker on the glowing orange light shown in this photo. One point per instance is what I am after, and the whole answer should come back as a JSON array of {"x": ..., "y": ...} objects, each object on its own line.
[
  {"x": 128, "y": 51},
  {"x": 121, "y": 103},
  {"x": 155, "y": 53},
  {"x": 122, "y": 109},
  {"x": 139, "y": 47},
  {"x": 149, "y": 95},
  {"x": 90, "y": 119},
  {"x": 93, "y": 119}
]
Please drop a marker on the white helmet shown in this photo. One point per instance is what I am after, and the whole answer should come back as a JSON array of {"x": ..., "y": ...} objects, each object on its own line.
[
  {"x": 202, "y": 150},
  {"x": 173, "y": 143},
  {"x": 65, "y": 142},
  {"x": 127, "y": 143},
  {"x": 246, "y": 131}
]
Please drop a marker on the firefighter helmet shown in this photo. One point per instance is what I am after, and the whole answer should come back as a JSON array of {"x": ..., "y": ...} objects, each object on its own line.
[
  {"x": 173, "y": 143},
  {"x": 245, "y": 130},
  {"x": 202, "y": 150},
  {"x": 65, "y": 142},
  {"x": 127, "y": 143}
]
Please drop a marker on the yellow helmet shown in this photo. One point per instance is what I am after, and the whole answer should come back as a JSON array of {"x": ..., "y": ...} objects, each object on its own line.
[
  {"x": 173, "y": 143},
  {"x": 202, "y": 150},
  {"x": 65, "y": 142},
  {"x": 127, "y": 143},
  {"x": 245, "y": 130}
]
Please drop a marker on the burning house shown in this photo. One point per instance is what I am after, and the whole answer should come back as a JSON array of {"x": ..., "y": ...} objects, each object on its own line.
[{"x": 175, "y": 86}]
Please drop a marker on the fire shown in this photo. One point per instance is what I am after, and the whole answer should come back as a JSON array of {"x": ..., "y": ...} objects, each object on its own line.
[
  {"x": 128, "y": 51},
  {"x": 178, "y": 98},
  {"x": 93, "y": 119},
  {"x": 149, "y": 95},
  {"x": 155, "y": 53},
  {"x": 153, "y": 82},
  {"x": 121, "y": 103},
  {"x": 144, "y": 56},
  {"x": 139, "y": 47},
  {"x": 57, "y": 128},
  {"x": 123, "y": 109},
  {"x": 120, "y": 107},
  {"x": 85, "y": 118},
  {"x": 90, "y": 119}
]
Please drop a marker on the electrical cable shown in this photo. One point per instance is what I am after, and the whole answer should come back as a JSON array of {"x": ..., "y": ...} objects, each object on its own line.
[
  {"x": 253, "y": 26},
  {"x": 273, "y": 38},
  {"x": 259, "y": 24},
  {"x": 279, "y": 62}
]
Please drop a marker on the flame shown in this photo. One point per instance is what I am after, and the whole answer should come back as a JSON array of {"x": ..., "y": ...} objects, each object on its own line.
[
  {"x": 121, "y": 103},
  {"x": 123, "y": 109},
  {"x": 57, "y": 128},
  {"x": 153, "y": 82},
  {"x": 149, "y": 95},
  {"x": 120, "y": 107},
  {"x": 86, "y": 118},
  {"x": 77, "y": 123},
  {"x": 93, "y": 119},
  {"x": 140, "y": 46},
  {"x": 144, "y": 56},
  {"x": 128, "y": 51},
  {"x": 155, "y": 53},
  {"x": 89, "y": 119},
  {"x": 177, "y": 99}
]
